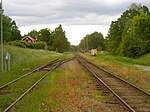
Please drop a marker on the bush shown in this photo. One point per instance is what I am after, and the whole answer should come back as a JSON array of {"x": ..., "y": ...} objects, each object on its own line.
[
  {"x": 134, "y": 47},
  {"x": 17, "y": 43},
  {"x": 35, "y": 45}
]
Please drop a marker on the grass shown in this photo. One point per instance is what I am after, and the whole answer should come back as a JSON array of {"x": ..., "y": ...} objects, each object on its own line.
[
  {"x": 63, "y": 90},
  {"x": 143, "y": 60},
  {"x": 68, "y": 88},
  {"x": 124, "y": 67},
  {"x": 16, "y": 89},
  {"x": 23, "y": 60}
]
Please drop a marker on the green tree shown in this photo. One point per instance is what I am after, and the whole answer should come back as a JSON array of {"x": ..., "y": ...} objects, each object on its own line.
[
  {"x": 15, "y": 33},
  {"x": 96, "y": 40},
  {"x": 44, "y": 35},
  {"x": 92, "y": 41},
  {"x": 34, "y": 33},
  {"x": 117, "y": 28},
  {"x": 10, "y": 29},
  {"x": 51, "y": 41},
  {"x": 60, "y": 42},
  {"x": 73, "y": 48},
  {"x": 55, "y": 40},
  {"x": 136, "y": 37}
]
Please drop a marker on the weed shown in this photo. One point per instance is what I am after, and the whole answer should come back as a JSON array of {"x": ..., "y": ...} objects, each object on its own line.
[
  {"x": 63, "y": 91},
  {"x": 120, "y": 66},
  {"x": 24, "y": 60}
]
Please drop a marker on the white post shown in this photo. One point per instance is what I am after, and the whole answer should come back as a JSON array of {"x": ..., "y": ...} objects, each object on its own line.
[{"x": 7, "y": 62}]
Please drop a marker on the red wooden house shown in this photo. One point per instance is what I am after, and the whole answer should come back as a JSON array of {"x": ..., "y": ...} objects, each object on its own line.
[{"x": 28, "y": 39}]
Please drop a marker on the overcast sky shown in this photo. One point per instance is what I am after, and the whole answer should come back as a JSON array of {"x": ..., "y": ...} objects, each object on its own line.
[{"x": 78, "y": 17}]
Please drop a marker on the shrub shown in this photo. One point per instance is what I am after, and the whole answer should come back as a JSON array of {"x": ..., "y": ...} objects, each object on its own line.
[
  {"x": 17, "y": 43},
  {"x": 35, "y": 45}
]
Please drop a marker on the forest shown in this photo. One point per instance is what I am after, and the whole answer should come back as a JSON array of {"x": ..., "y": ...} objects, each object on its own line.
[{"x": 129, "y": 36}]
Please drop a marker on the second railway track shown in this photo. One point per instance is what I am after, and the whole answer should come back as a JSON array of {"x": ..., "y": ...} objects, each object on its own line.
[
  {"x": 133, "y": 98},
  {"x": 14, "y": 91},
  {"x": 31, "y": 72}
]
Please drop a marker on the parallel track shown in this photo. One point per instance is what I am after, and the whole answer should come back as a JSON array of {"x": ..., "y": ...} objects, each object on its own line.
[
  {"x": 31, "y": 72},
  {"x": 132, "y": 97},
  {"x": 48, "y": 67}
]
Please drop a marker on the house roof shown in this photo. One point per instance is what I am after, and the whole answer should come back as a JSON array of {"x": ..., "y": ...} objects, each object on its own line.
[{"x": 31, "y": 38}]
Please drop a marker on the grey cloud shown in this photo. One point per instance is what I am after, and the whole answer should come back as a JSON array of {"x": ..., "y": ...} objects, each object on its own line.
[
  {"x": 27, "y": 12},
  {"x": 91, "y": 7}
]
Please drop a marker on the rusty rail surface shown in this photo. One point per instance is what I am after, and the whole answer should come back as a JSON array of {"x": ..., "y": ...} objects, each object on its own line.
[{"x": 132, "y": 97}]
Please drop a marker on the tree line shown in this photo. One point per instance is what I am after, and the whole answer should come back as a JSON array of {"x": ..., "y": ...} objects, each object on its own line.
[
  {"x": 92, "y": 41},
  {"x": 128, "y": 36},
  {"x": 55, "y": 40}
]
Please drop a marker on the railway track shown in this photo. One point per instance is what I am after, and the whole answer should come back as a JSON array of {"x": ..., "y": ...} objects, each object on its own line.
[
  {"x": 31, "y": 72},
  {"x": 130, "y": 96},
  {"x": 10, "y": 90}
]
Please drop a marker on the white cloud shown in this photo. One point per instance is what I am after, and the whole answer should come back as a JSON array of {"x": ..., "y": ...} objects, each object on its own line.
[
  {"x": 74, "y": 33},
  {"x": 77, "y": 32}
]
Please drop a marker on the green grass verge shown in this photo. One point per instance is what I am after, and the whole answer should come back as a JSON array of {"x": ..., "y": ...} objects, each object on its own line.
[
  {"x": 125, "y": 67},
  {"x": 7, "y": 96},
  {"x": 104, "y": 56},
  {"x": 23, "y": 60},
  {"x": 37, "y": 96}
]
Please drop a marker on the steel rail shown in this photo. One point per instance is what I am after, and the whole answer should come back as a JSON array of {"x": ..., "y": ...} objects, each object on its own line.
[
  {"x": 115, "y": 75},
  {"x": 117, "y": 96},
  {"x": 51, "y": 62},
  {"x": 28, "y": 90},
  {"x": 36, "y": 69}
]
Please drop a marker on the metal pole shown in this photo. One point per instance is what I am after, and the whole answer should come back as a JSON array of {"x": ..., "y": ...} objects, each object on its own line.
[{"x": 1, "y": 37}]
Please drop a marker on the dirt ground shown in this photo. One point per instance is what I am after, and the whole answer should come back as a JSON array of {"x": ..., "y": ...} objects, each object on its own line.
[{"x": 144, "y": 68}]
